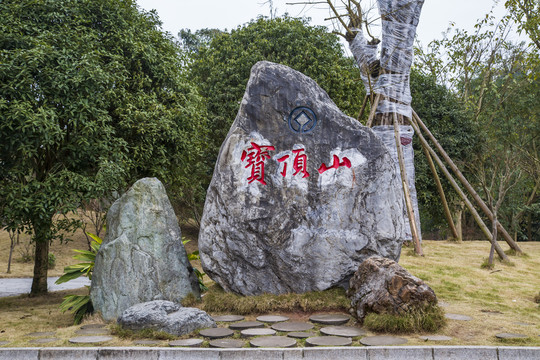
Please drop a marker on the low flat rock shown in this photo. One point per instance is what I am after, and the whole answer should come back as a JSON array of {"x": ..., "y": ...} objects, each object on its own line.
[
  {"x": 93, "y": 326},
  {"x": 216, "y": 333},
  {"x": 436, "y": 338},
  {"x": 246, "y": 325},
  {"x": 43, "y": 340},
  {"x": 226, "y": 343},
  {"x": 272, "y": 318},
  {"x": 4, "y": 343},
  {"x": 510, "y": 336},
  {"x": 301, "y": 334},
  {"x": 288, "y": 326},
  {"x": 186, "y": 343},
  {"x": 257, "y": 332},
  {"x": 382, "y": 340},
  {"x": 330, "y": 319},
  {"x": 90, "y": 339},
  {"x": 328, "y": 341},
  {"x": 458, "y": 317},
  {"x": 42, "y": 333},
  {"x": 147, "y": 342},
  {"x": 92, "y": 331},
  {"x": 273, "y": 342},
  {"x": 228, "y": 318},
  {"x": 343, "y": 331}
]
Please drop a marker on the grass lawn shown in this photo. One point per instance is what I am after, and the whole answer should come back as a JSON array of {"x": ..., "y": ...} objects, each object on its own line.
[{"x": 498, "y": 300}]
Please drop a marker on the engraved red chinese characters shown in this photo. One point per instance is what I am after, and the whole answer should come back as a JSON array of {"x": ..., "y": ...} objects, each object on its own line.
[
  {"x": 256, "y": 155},
  {"x": 345, "y": 162}
]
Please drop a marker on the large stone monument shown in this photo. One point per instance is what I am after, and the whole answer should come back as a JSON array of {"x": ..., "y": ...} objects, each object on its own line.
[
  {"x": 301, "y": 193},
  {"x": 142, "y": 257}
]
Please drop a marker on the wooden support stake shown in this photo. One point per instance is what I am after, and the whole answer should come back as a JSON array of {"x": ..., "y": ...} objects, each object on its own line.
[
  {"x": 460, "y": 192},
  {"x": 406, "y": 190},
  {"x": 468, "y": 186},
  {"x": 363, "y": 107},
  {"x": 373, "y": 109},
  {"x": 440, "y": 189}
]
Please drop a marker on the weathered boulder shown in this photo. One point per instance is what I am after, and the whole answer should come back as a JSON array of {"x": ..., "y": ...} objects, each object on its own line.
[
  {"x": 381, "y": 285},
  {"x": 142, "y": 257},
  {"x": 165, "y": 316},
  {"x": 301, "y": 193}
]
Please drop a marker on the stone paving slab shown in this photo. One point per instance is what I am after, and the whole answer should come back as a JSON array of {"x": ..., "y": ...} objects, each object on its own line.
[
  {"x": 93, "y": 326},
  {"x": 273, "y": 342},
  {"x": 301, "y": 334},
  {"x": 227, "y": 318},
  {"x": 435, "y": 338},
  {"x": 216, "y": 333},
  {"x": 272, "y": 318},
  {"x": 226, "y": 343},
  {"x": 327, "y": 353},
  {"x": 147, "y": 342},
  {"x": 242, "y": 325},
  {"x": 41, "y": 333},
  {"x": 328, "y": 341},
  {"x": 4, "y": 343},
  {"x": 289, "y": 326},
  {"x": 19, "y": 286},
  {"x": 382, "y": 340},
  {"x": 257, "y": 332},
  {"x": 458, "y": 317},
  {"x": 186, "y": 342},
  {"x": 90, "y": 339},
  {"x": 510, "y": 336},
  {"x": 43, "y": 340},
  {"x": 92, "y": 331},
  {"x": 330, "y": 319},
  {"x": 345, "y": 331}
]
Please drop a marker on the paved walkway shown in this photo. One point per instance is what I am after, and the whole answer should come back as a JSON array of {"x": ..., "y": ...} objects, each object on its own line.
[{"x": 18, "y": 286}]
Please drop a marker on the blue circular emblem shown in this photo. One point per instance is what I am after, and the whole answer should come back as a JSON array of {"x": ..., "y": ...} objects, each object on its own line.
[{"x": 302, "y": 120}]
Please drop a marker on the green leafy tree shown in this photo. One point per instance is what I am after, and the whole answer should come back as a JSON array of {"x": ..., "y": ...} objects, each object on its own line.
[
  {"x": 92, "y": 96},
  {"x": 222, "y": 67}
]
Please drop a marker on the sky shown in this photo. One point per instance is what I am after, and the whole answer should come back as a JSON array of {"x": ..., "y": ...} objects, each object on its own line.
[{"x": 435, "y": 18}]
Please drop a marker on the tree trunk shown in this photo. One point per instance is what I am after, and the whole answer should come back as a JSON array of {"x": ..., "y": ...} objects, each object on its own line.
[
  {"x": 493, "y": 239},
  {"x": 11, "y": 247},
  {"x": 41, "y": 258},
  {"x": 459, "y": 223}
]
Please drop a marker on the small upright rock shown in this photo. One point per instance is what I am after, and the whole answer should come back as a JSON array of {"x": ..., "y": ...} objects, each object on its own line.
[
  {"x": 380, "y": 285},
  {"x": 165, "y": 316},
  {"x": 142, "y": 257}
]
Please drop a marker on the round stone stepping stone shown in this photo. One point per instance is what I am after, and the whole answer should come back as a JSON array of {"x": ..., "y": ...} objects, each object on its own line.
[
  {"x": 330, "y": 319},
  {"x": 187, "y": 342},
  {"x": 90, "y": 339},
  {"x": 147, "y": 342},
  {"x": 328, "y": 341},
  {"x": 458, "y": 317},
  {"x": 43, "y": 340},
  {"x": 242, "y": 325},
  {"x": 382, "y": 340},
  {"x": 226, "y": 343},
  {"x": 272, "y": 318},
  {"x": 43, "y": 333},
  {"x": 273, "y": 342},
  {"x": 435, "y": 338},
  {"x": 510, "y": 336},
  {"x": 92, "y": 331},
  {"x": 523, "y": 323},
  {"x": 257, "y": 332},
  {"x": 216, "y": 333},
  {"x": 344, "y": 331},
  {"x": 93, "y": 326},
  {"x": 228, "y": 318},
  {"x": 288, "y": 326},
  {"x": 301, "y": 334},
  {"x": 4, "y": 343}
]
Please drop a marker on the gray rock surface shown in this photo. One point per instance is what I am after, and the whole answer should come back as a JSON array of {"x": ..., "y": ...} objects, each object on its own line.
[
  {"x": 328, "y": 197},
  {"x": 165, "y": 316},
  {"x": 142, "y": 257},
  {"x": 380, "y": 285}
]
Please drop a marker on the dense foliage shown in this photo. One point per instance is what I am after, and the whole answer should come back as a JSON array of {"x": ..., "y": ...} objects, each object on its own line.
[{"x": 92, "y": 96}]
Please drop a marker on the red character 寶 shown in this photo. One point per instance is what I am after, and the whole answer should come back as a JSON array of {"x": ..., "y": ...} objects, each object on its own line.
[{"x": 256, "y": 155}]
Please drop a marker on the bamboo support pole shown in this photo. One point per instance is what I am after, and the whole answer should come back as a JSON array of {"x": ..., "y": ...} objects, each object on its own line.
[
  {"x": 363, "y": 107},
  {"x": 460, "y": 192},
  {"x": 468, "y": 186},
  {"x": 440, "y": 189},
  {"x": 406, "y": 190},
  {"x": 373, "y": 110}
]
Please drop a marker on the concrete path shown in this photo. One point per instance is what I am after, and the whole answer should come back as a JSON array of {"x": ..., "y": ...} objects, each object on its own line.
[{"x": 18, "y": 286}]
